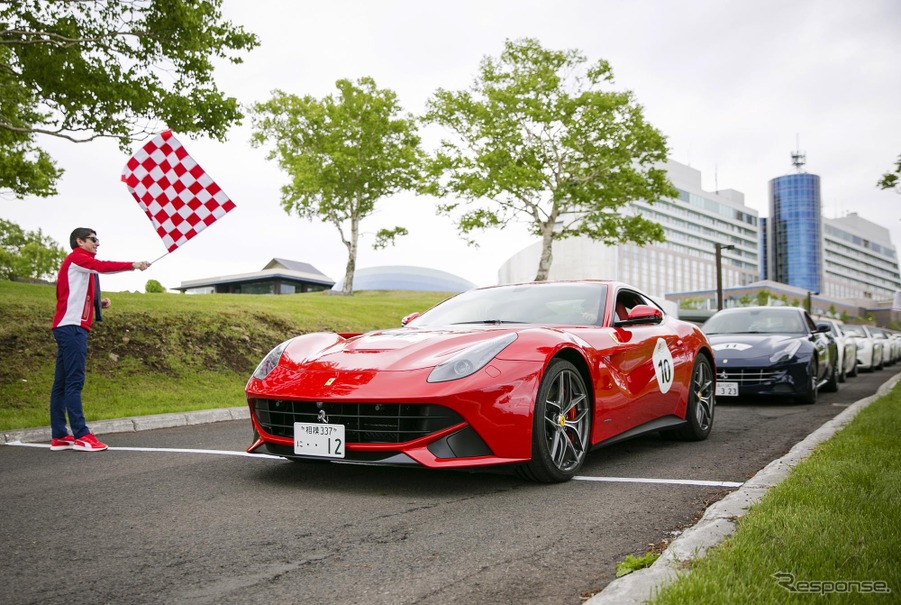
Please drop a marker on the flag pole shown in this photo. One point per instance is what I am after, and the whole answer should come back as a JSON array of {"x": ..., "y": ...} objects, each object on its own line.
[{"x": 153, "y": 261}]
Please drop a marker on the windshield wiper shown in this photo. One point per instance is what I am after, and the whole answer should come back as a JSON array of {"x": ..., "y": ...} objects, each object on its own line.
[{"x": 488, "y": 321}]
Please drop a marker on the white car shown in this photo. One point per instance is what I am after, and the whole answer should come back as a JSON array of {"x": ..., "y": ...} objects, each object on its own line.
[
  {"x": 846, "y": 343},
  {"x": 869, "y": 349},
  {"x": 889, "y": 348}
]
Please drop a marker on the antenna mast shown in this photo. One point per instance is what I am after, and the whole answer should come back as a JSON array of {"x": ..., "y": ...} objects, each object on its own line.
[{"x": 799, "y": 158}]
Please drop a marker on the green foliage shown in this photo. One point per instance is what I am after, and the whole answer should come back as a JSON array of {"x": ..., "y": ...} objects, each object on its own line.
[
  {"x": 692, "y": 303},
  {"x": 154, "y": 287},
  {"x": 83, "y": 70},
  {"x": 745, "y": 301},
  {"x": 342, "y": 155},
  {"x": 890, "y": 180},
  {"x": 635, "y": 563},
  {"x": 27, "y": 254},
  {"x": 541, "y": 138},
  {"x": 763, "y": 297},
  {"x": 175, "y": 353}
]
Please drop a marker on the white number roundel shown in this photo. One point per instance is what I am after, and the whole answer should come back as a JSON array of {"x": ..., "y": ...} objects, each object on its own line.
[{"x": 663, "y": 365}]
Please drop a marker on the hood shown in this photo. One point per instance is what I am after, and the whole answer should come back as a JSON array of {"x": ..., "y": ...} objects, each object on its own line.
[
  {"x": 750, "y": 346},
  {"x": 400, "y": 349}
]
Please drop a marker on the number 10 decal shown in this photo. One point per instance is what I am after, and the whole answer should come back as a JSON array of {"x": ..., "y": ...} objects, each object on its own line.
[{"x": 663, "y": 365}]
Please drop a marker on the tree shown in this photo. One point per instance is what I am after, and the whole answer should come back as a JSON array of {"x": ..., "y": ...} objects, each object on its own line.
[
  {"x": 540, "y": 139},
  {"x": 27, "y": 254},
  {"x": 890, "y": 180},
  {"x": 154, "y": 287},
  {"x": 343, "y": 154},
  {"x": 763, "y": 298},
  {"x": 84, "y": 70}
]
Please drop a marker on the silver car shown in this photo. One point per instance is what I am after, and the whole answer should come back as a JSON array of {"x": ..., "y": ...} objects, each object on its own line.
[{"x": 847, "y": 348}]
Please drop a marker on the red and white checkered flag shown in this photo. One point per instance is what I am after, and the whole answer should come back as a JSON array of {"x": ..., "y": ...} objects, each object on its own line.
[{"x": 179, "y": 198}]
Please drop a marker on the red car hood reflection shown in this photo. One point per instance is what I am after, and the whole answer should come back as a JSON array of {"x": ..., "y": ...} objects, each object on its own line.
[{"x": 385, "y": 350}]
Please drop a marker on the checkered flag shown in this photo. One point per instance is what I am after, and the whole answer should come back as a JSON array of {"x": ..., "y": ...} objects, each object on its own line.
[{"x": 175, "y": 193}]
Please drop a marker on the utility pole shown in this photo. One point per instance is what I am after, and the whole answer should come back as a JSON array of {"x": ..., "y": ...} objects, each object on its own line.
[{"x": 719, "y": 272}]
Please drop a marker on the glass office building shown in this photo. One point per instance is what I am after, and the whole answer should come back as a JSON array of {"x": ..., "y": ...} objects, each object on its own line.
[{"x": 794, "y": 232}]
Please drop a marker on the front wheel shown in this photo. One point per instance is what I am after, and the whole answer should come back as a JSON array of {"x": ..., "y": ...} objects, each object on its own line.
[
  {"x": 810, "y": 397},
  {"x": 561, "y": 426},
  {"x": 701, "y": 404}
]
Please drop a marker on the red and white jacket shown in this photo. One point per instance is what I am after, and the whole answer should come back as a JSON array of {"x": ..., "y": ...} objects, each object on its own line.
[{"x": 75, "y": 287}]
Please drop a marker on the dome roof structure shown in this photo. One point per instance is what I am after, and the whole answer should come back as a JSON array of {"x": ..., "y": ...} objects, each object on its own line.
[{"x": 403, "y": 277}]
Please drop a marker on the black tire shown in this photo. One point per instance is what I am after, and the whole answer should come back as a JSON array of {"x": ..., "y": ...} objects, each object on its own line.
[
  {"x": 701, "y": 404},
  {"x": 831, "y": 385},
  {"x": 561, "y": 428},
  {"x": 842, "y": 376},
  {"x": 810, "y": 397},
  {"x": 853, "y": 372}
]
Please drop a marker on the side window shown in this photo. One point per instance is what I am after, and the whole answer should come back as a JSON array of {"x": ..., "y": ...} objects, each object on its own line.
[{"x": 626, "y": 300}]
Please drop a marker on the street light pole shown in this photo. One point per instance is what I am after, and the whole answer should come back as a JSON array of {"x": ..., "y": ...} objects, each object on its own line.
[{"x": 719, "y": 272}]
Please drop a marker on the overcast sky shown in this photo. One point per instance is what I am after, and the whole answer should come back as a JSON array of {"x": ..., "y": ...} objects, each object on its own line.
[{"x": 731, "y": 84}]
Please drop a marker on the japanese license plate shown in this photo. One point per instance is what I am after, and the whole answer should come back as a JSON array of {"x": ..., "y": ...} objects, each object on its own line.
[
  {"x": 323, "y": 440},
  {"x": 727, "y": 389}
]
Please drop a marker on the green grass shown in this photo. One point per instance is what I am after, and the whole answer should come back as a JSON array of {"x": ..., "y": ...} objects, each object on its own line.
[
  {"x": 161, "y": 353},
  {"x": 837, "y": 518}
]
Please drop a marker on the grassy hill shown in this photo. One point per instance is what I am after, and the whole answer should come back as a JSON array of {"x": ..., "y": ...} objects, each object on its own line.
[{"x": 160, "y": 353}]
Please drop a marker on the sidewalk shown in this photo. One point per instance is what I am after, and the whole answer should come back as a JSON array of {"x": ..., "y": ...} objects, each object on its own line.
[{"x": 138, "y": 423}]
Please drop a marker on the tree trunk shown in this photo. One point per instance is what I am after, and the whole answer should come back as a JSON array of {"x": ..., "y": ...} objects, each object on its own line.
[
  {"x": 547, "y": 251},
  {"x": 351, "y": 267}
]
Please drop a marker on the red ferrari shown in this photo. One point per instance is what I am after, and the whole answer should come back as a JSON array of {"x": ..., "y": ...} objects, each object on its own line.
[{"x": 533, "y": 375}]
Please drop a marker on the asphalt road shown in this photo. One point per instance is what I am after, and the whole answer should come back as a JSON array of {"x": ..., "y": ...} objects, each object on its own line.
[{"x": 168, "y": 527}]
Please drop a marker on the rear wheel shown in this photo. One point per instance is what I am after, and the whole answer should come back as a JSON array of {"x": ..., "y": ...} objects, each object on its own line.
[
  {"x": 831, "y": 385},
  {"x": 701, "y": 404},
  {"x": 561, "y": 425}
]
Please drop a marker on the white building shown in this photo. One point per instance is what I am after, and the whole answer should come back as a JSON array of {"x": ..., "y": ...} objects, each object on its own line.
[
  {"x": 860, "y": 261},
  {"x": 692, "y": 223}
]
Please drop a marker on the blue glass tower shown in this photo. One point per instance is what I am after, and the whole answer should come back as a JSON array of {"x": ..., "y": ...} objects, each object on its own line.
[{"x": 794, "y": 231}]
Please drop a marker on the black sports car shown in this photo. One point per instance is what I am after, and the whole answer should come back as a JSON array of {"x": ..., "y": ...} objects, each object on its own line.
[{"x": 771, "y": 351}]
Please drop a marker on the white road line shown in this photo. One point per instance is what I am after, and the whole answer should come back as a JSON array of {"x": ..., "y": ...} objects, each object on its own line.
[
  {"x": 174, "y": 450},
  {"x": 168, "y": 450},
  {"x": 661, "y": 481}
]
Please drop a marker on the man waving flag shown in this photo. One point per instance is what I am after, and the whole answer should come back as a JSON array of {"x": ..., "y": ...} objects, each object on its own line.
[{"x": 175, "y": 193}]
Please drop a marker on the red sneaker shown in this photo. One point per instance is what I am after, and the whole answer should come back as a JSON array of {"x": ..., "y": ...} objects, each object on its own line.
[
  {"x": 89, "y": 443},
  {"x": 65, "y": 443}
]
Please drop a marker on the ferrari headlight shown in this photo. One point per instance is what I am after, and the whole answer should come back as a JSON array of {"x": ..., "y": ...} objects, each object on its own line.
[
  {"x": 270, "y": 361},
  {"x": 470, "y": 361},
  {"x": 786, "y": 353}
]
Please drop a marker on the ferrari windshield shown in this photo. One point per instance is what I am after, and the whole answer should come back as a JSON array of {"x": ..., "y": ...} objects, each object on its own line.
[
  {"x": 756, "y": 321},
  {"x": 541, "y": 303}
]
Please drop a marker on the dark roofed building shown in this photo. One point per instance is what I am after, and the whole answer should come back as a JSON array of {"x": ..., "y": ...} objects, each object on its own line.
[{"x": 279, "y": 276}]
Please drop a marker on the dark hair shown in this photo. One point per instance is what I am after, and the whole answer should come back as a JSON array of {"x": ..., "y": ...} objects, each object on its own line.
[{"x": 80, "y": 233}]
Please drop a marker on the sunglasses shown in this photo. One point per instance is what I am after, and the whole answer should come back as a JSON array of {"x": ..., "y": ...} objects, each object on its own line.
[{"x": 93, "y": 239}]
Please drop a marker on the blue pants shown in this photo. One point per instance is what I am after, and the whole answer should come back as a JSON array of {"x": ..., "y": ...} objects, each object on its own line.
[{"x": 65, "y": 398}]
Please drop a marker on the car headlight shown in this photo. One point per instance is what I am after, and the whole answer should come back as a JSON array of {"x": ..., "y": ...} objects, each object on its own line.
[
  {"x": 270, "y": 361},
  {"x": 786, "y": 353},
  {"x": 471, "y": 360}
]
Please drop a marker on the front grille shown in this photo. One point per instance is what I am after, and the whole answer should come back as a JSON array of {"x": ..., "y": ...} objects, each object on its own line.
[
  {"x": 749, "y": 376},
  {"x": 363, "y": 422}
]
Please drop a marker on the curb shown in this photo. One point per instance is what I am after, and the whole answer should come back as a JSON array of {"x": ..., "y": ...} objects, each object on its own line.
[
  {"x": 137, "y": 423},
  {"x": 719, "y": 520}
]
